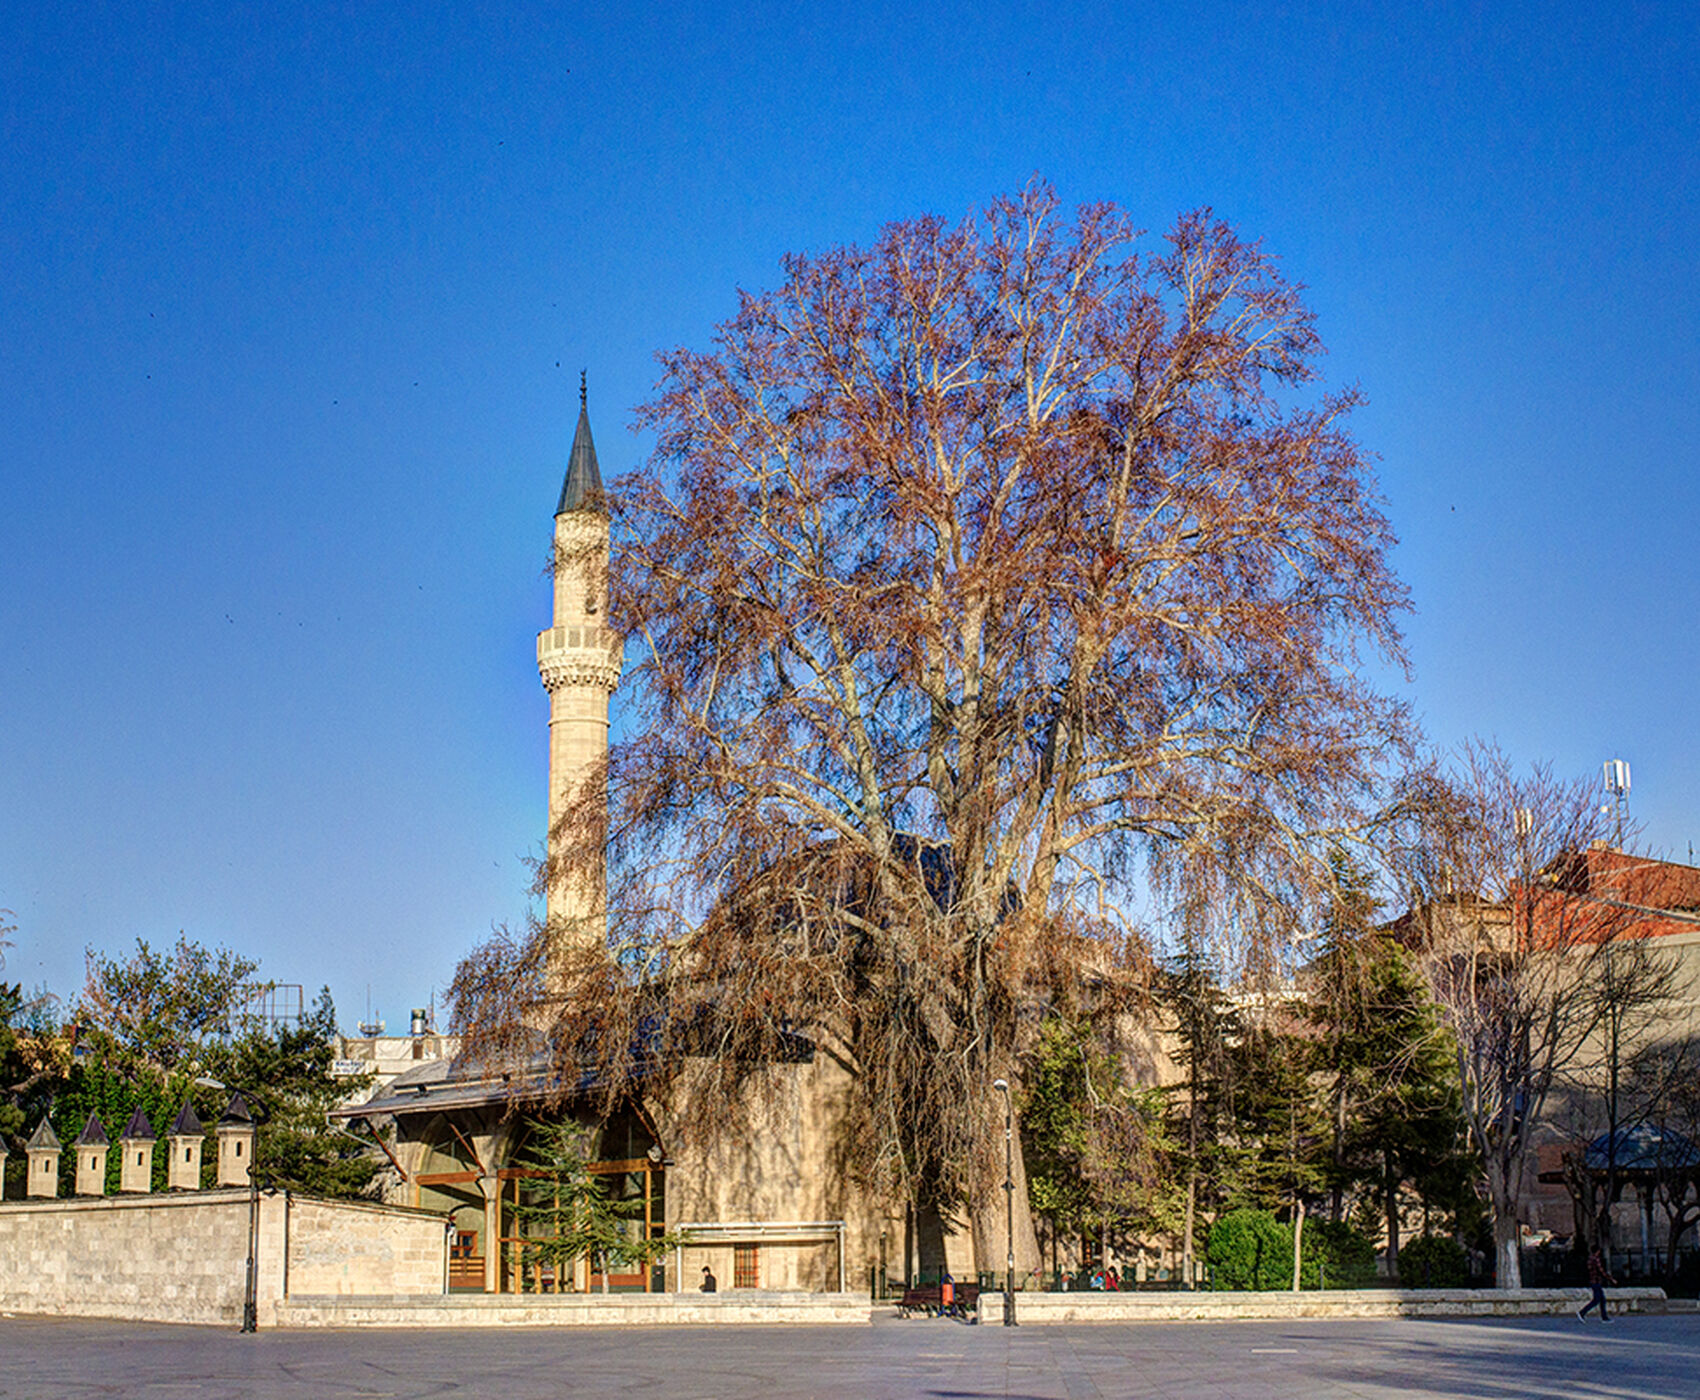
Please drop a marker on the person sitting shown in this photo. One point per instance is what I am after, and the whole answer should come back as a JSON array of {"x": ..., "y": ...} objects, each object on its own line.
[{"x": 708, "y": 1283}]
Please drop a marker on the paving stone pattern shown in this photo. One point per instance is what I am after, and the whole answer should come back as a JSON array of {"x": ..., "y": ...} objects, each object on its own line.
[{"x": 1650, "y": 1358}]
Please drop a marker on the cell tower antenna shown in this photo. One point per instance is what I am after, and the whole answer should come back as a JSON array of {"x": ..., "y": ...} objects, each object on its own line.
[{"x": 1615, "y": 772}]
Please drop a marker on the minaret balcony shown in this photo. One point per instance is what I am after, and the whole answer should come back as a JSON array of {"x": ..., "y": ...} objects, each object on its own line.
[{"x": 579, "y": 655}]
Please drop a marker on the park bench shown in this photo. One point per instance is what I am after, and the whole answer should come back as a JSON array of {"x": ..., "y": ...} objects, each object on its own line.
[{"x": 929, "y": 1300}]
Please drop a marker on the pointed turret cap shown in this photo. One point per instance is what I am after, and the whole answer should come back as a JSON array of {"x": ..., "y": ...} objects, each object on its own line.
[
  {"x": 138, "y": 1129},
  {"x": 236, "y": 1114},
  {"x": 93, "y": 1135},
  {"x": 43, "y": 1136},
  {"x": 582, "y": 490},
  {"x": 186, "y": 1123}
]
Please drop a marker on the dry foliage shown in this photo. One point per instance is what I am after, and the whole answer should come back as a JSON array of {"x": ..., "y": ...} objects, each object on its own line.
[
  {"x": 981, "y": 577},
  {"x": 1514, "y": 947}
]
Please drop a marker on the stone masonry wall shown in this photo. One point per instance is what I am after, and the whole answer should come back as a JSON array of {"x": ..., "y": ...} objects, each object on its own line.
[
  {"x": 353, "y": 1247},
  {"x": 183, "y": 1258}
]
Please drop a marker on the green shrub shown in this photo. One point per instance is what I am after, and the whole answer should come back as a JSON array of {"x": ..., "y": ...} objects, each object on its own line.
[
  {"x": 1337, "y": 1255},
  {"x": 1250, "y": 1249},
  {"x": 1433, "y": 1261}
]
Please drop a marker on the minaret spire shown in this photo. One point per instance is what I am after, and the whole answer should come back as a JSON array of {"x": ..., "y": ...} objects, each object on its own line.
[
  {"x": 579, "y": 660},
  {"x": 582, "y": 488}
]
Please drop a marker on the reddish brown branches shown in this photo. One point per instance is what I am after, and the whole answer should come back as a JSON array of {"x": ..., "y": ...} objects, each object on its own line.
[{"x": 980, "y": 574}]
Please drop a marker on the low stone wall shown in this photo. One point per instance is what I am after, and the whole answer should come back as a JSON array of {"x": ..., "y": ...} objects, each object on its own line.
[
  {"x": 1041, "y": 1308},
  {"x": 184, "y": 1258},
  {"x": 579, "y": 1310},
  {"x": 360, "y": 1247}
]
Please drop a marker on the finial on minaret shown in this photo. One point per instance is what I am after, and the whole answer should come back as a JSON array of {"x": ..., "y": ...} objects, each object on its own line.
[{"x": 582, "y": 489}]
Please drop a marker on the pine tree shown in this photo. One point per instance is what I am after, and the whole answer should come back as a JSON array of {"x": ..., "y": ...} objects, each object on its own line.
[{"x": 566, "y": 1212}]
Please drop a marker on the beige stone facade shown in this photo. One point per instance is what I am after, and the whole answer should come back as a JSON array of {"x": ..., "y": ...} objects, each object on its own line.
[
  {"x": 183, "y": 1258},
  {"x": 579, "y": 661}
]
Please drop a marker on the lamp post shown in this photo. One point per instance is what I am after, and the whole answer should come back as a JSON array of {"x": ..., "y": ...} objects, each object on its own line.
[
  {"x": 1002, "y": 1085},
  {"x": 256, "y": 1114}
]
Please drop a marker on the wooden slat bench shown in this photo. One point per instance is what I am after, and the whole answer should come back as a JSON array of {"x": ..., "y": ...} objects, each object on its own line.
[{"x": 929, "y": 1300}]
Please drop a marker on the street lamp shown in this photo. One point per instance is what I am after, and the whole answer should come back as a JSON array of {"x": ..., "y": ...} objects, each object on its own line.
[
  {"x": 251, "y": 1109},
  {"x": 1002, "y": 1085}
]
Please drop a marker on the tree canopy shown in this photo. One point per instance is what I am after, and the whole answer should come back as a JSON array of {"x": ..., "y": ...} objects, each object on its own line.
[{"x": 981, "y": 576}]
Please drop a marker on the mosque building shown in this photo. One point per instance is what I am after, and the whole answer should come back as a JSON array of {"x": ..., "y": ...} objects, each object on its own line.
[{"x": 763, "y": 1210}]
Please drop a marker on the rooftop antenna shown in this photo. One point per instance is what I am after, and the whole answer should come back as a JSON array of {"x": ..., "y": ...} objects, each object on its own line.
[{"x": 1616, "y": 774}]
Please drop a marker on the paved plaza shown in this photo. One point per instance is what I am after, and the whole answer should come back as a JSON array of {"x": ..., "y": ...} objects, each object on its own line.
[{"x": 1649, "y": 1358}]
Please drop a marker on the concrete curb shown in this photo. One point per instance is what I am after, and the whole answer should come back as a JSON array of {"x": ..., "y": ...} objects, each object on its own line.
[
  {"x": 579, "y": 1310},
  {"x": 1042, "y": 1308}
]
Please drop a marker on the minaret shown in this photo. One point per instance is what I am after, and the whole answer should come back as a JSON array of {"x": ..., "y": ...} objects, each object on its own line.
[{"x": 579, "y": 660}]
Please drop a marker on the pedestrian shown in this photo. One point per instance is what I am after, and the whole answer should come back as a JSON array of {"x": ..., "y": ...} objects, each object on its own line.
[
  {"x": 708, "y": 1282},
  {"x": 1598, "y": 1277}
]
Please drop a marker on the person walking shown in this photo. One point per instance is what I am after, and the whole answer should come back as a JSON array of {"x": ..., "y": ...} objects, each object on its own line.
[{"x": 1598, "y": 1277}]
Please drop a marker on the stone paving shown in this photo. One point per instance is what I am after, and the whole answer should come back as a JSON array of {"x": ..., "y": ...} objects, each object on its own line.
[{"x": 1650, "y": 1358}]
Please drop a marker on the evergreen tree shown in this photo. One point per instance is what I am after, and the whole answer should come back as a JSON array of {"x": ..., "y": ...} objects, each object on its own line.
[
  {"x": 1097, "y": 1150},
  {"x": 1387, "y": 1066},
  {"x": 566, "y": 1211},
  {"x": 287, "y": 1071},
  {"x": 1206, "y": 1025}
]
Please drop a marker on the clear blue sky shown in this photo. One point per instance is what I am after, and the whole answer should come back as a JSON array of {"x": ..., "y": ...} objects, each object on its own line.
[{"x": 293, "y": 300}]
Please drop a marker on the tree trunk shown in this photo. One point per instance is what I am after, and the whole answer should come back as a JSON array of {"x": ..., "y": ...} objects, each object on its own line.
[
  {"x": 1507, "y": 1251},
  {"x": 1390, "y": 1207},
  {"x": 1336, "y": 1197},
  {"x": 1187, "y": 1270},
  {"x": 929, "y": 1239},
  {"x": 989, "y": 1216},
  {"x": 1298, "y": 1243}
]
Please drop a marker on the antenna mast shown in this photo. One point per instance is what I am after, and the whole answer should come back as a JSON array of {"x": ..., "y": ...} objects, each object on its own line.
[{"x": 1616, "y": 774}]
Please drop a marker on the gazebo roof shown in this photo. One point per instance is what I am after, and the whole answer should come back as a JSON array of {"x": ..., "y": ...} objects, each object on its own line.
[{"x": 1645, "y": 1148}]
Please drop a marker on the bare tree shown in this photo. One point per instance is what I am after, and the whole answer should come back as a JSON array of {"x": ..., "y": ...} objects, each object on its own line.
[
  {"x": 1666, "y": 1083},
  {"x": 980, "y": 574},
  {"x": 1514, "y": 945}
]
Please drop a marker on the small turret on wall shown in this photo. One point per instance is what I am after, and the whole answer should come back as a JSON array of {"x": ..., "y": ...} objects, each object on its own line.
[
  {"x": 183, "y": 1166},
  {"x": 136, "y": 1143},
  {"x": 92, "y": 1148},
  {"x": 43, "y": 1152},
  {"x": 235, "y": 1132}
]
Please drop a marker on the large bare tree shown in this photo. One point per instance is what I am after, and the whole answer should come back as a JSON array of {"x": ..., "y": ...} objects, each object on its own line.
[
  {"x": 1516, "y": 945},
  {"x": 981, "y": 576}
]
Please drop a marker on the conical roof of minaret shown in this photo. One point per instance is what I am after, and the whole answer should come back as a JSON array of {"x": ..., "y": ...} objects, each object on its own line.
[
  {"x": 43, "y": 1138},
  {"x": 582, "y": 489}
]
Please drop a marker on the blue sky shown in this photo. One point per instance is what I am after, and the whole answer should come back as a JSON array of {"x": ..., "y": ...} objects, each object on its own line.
[{"x": 293, "y": 301}]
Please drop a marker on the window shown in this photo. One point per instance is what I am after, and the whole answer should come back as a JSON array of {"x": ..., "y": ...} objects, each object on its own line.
[{"x": 746, "y": 1269}]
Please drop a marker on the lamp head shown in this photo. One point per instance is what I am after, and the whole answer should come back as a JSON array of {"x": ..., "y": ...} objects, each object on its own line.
[{"x": 1001, "y": 1084}]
